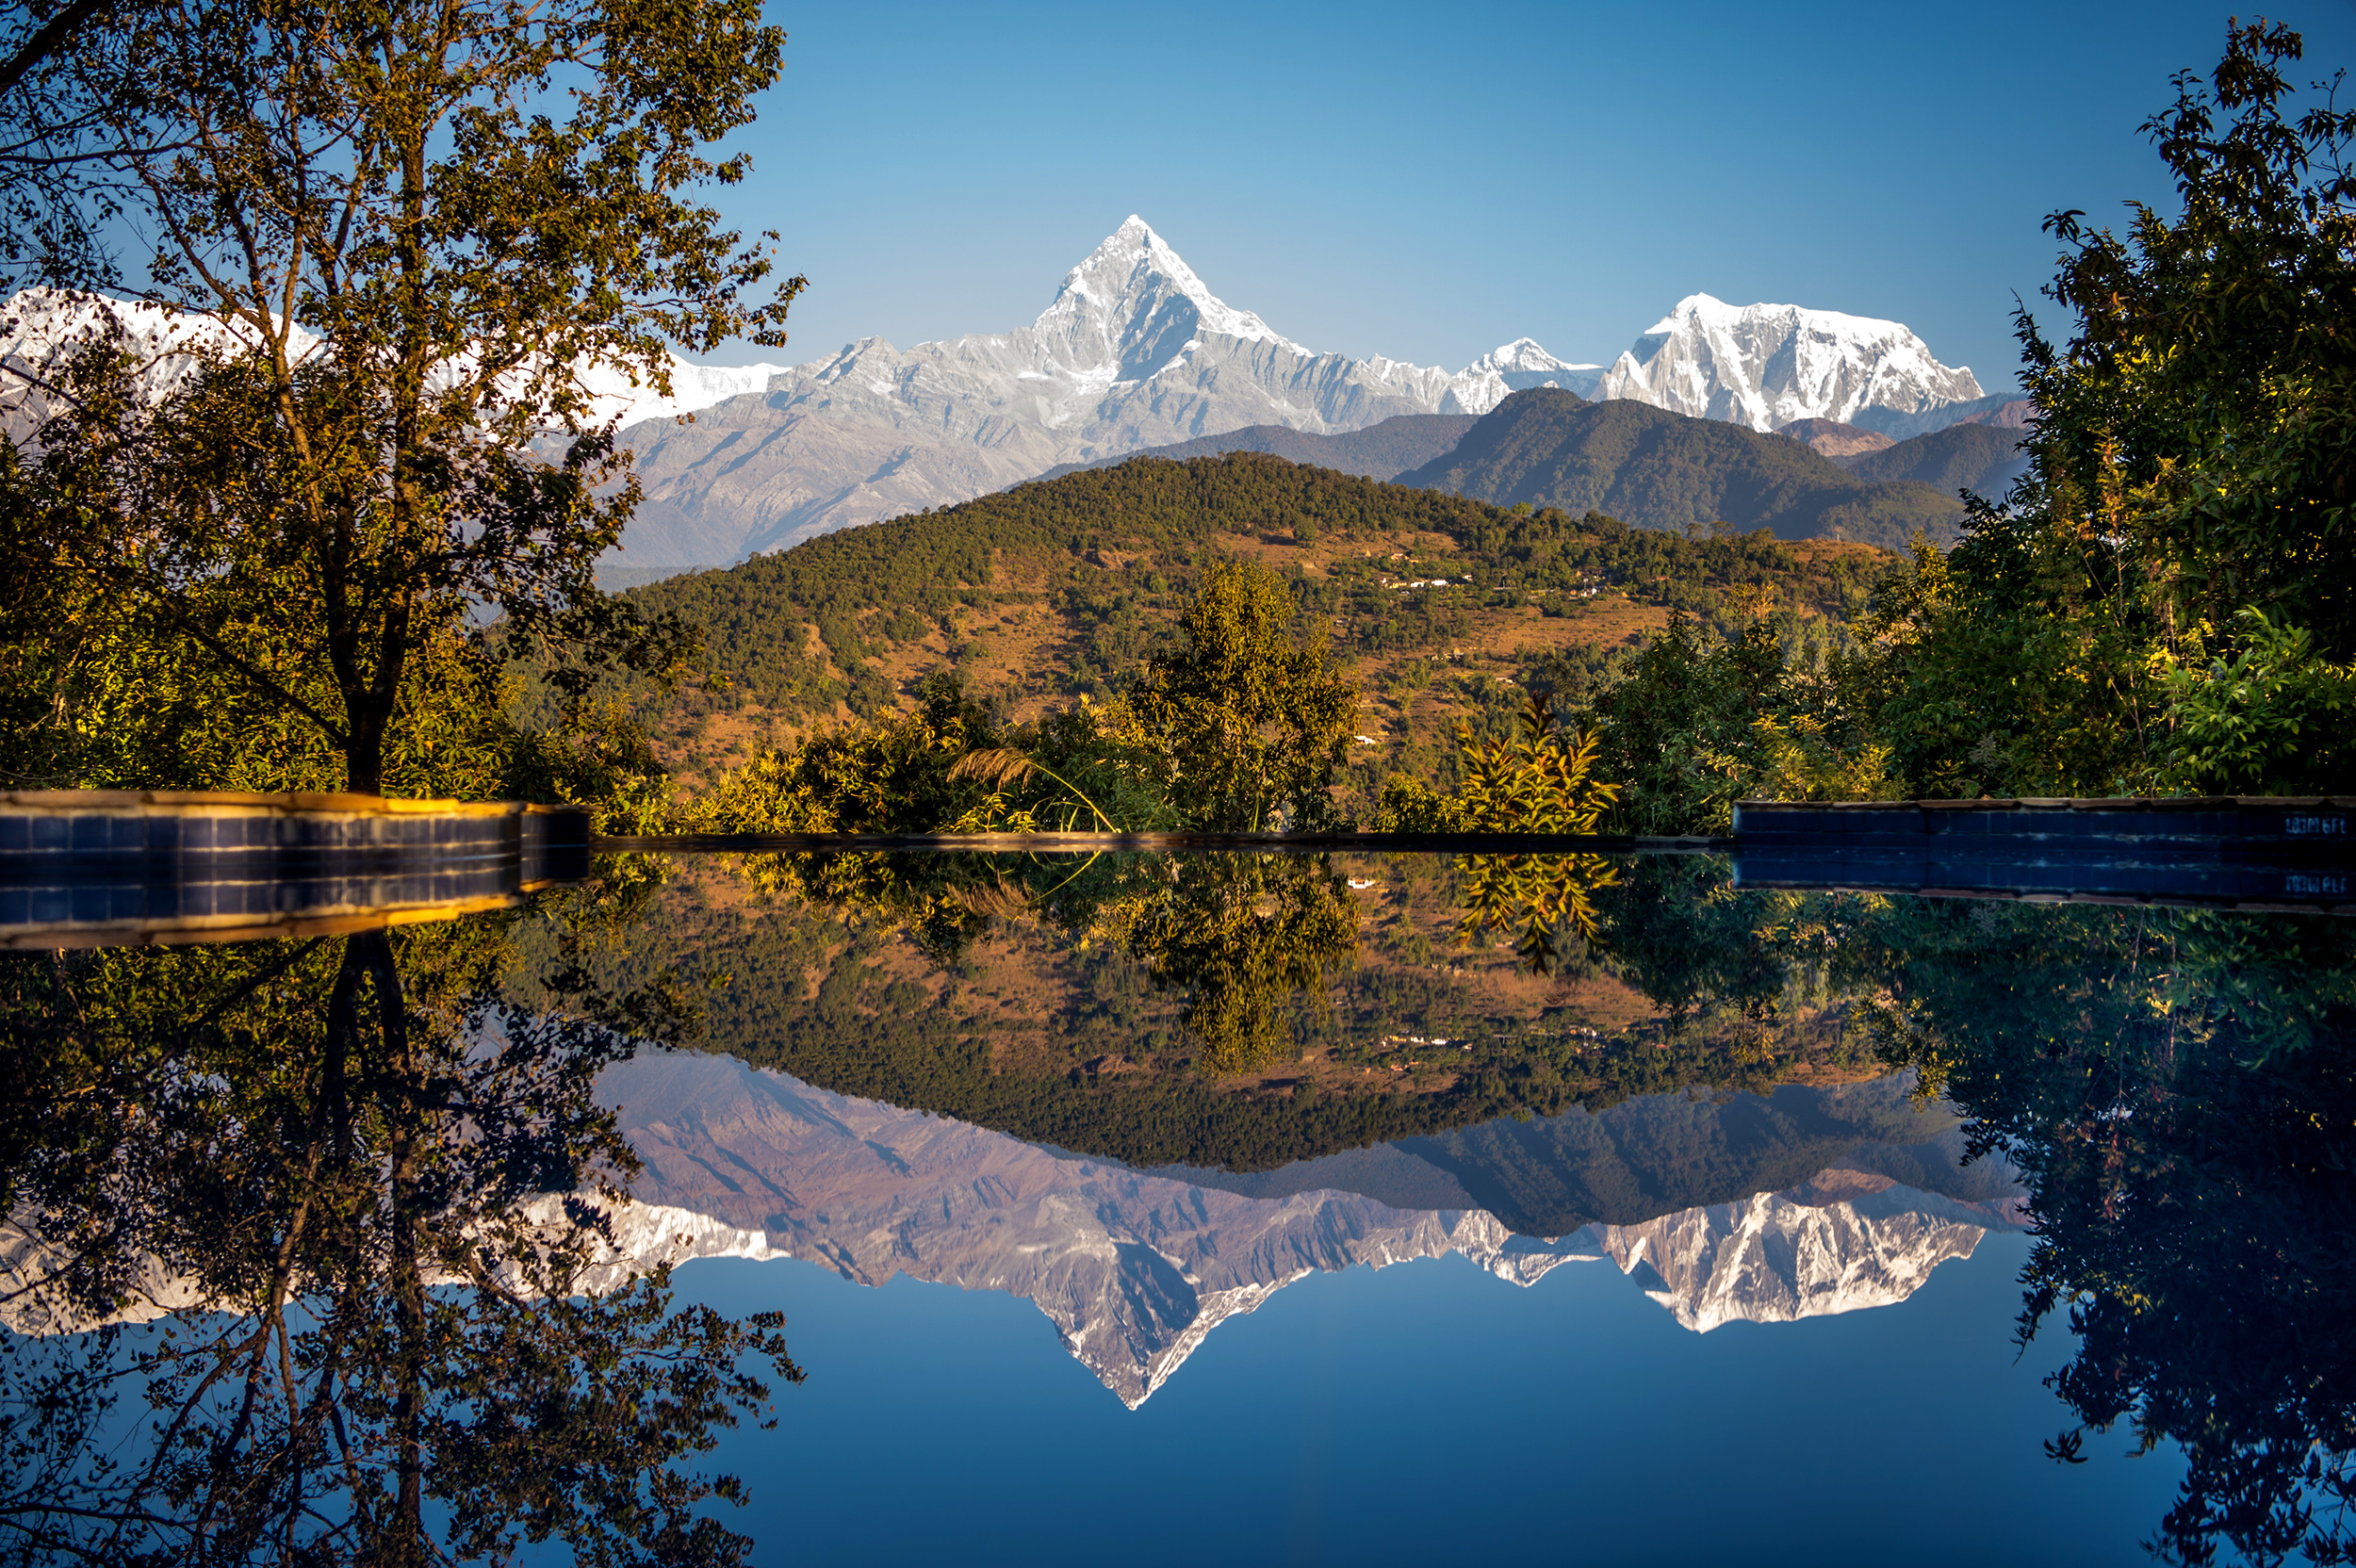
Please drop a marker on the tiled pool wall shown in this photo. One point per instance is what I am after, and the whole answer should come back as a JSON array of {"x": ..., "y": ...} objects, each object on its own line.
[
  {"x": 123, "y": 865},
  {"x": 2232, "y": 850}
]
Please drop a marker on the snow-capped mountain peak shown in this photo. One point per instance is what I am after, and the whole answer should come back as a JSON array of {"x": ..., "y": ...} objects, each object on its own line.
[
  {"x": 1136, "y": 305},
  {"x": 1517, "y": 367},
  {"x": 1133, "y": 352},
  {"x": 1524, "y": 354},
  {"x": 1767, "y": 365}
]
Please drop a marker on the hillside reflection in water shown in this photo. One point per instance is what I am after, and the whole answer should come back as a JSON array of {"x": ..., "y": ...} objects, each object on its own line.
[{"x": 1149, "y": 1094}]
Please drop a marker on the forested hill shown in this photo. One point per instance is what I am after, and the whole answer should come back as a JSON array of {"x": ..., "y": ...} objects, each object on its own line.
[
  {"x": 1985, "y": 458},
  {"x": 1551, "y": 448},
  {"x": 1056, "y": 589},
  {"x": 1385, "y": 451}
]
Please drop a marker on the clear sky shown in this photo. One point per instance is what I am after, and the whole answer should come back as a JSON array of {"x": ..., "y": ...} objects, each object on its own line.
[{"x": 1430, "y": 181}]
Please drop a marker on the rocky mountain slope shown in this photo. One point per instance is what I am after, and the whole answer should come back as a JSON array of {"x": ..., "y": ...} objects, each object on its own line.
[
  {"x": 1833, "y": 440},
  {"x": 1135, "y": 1269}
]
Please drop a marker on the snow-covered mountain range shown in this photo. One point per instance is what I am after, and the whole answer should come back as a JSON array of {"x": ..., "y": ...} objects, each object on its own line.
[
  {"x": 40, "y": 329},
  {"x": 1136, "y": 1269},
  {"x": 1777, "y": 1257},
  {"x": 1134, "y": 350}
]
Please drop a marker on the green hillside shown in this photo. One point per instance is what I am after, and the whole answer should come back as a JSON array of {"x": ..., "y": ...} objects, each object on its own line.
[
  {"x": 1663, "y": 470},
  {"x": 1055, "y": 590},
  {"x": 1385, "y": 451}
]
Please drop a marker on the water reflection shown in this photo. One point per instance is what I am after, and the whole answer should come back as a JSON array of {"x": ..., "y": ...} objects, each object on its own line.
[
  {"x": 331, "y": 1233},
  {"x": 1240, "y": 935},
  {"x": 2178, "y": 1091},
  {"x": 2172, "y": 1086},
  {"x": 1135, "y": 1268},
  {"x": 278, "y": 1285}
]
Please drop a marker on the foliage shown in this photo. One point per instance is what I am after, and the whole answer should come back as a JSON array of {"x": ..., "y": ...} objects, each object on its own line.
[
  {"x": 1243, "y": 933},
  {"x": 1115, "y": 554},
  {"x": 1798, "y": 761},
  {"x": 1541, "y": 781},
  {"x": 1241, "y": 724},
  {"x": 2190, "y": 463},
  {"x": 892, "y": 776},
  {"x": 1066, "y": 1038},
  {"x": 2273, "y": 716},
  {"x": 1696, "y": 722},
  {"x": 413, "y": 256},
  {"x": 2174, "y": 1089},
  {"x": 2201, "y": 408},
  {"x": 2000, "y": 670},
  {"x": 1249, "y": 721}
]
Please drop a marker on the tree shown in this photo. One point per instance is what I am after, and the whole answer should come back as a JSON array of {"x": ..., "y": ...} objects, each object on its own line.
[
  {"x": 1249, "y": 721},
  {"x": 2188, "y": 498},
  {"x": 1677, "y": 731},
  {"x": 1242, "y": 933},
  {"x": 418, "y": 228}
]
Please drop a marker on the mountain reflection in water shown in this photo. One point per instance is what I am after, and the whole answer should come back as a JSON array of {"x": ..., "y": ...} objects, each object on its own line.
[
  {"x": 1135, "y": 1268},
  {"x": 324, "y": 1219}
]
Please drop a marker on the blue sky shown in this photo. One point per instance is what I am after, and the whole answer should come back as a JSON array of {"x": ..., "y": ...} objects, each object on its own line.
[{"x": 1427, "y": 182}]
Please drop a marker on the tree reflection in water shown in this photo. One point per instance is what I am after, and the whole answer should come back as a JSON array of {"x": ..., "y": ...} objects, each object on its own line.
[
  {"x": 275, "y": 1294},
  {"x": 2179, "y": 1092},
  {"x": 1244, "y": 935}
]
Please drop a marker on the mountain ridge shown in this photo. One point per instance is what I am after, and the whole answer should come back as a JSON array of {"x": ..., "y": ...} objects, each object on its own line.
[
  {"x": 1668, "y": 470},
  {"x": 1381, "y": 451},
  {"x": 1133, "y": 352}
]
